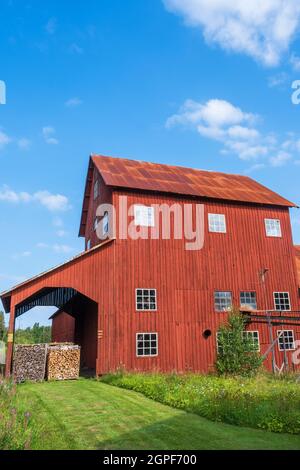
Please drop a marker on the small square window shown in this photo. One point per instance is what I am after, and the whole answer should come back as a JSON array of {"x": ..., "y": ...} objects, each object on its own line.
[
  {"x": 248, "y": 299},
  {"x": 273, "y": 228},
  {"x": 286, "y": 341},
  {"x": 217, "y": 223},
  {"x": 144, "y": 216},
  {"x": 223, "y": 301},
  {"x": 146, "y": 299},
  {"x": 282, "y": 301},
  {"x": 146, "y": 344}
]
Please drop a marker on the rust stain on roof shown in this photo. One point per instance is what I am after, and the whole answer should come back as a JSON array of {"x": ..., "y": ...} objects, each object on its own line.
[{"x": 131, "y": 174}]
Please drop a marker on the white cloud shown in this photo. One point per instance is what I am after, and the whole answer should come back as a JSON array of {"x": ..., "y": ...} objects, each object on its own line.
[
  {"x": 4, "y": 139},
  {"x": 73, "y": 102},
  {"x": 236, "y": 130},
  {"x": 260, "y": 29},
  {"x": 75, "y": 49},
  {"x": 62, "y": 248},
  {"x": 24, "y": 144},
  {"x": 213, "y": 114},
  {"x": 42, "y": 245},
  {"x": 61, "y": 233},
  {"x": 280, "y": 159},
  {"x": 49, "y": 135},
  {"x": 52, "y": 202},
  {"x": 256, "y": 167},
  {"x": 58, "y": 222},
  {"x": 24, "y": 254},
  {"x": 278, "y": 80},
  {"x": 295, "y": 62},
  {"x": 51, "y": 26}
]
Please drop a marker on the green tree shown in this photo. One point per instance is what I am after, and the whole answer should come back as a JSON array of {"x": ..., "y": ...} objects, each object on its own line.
[
  {"x": 237, "y": 354},
  {"x": 2, "y": 327}
]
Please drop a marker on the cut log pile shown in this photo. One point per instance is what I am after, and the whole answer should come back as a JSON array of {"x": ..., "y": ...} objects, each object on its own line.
[
  {"x": 36, "y": 362},
  {"x": 30, "y": 362},
  {"x": 63, "y": 362}
]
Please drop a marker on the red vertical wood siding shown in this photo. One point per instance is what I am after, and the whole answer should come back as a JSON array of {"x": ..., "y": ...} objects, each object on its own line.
[
  {"x": 63, "y": 328},
  {"x": 185, "y": 283}
]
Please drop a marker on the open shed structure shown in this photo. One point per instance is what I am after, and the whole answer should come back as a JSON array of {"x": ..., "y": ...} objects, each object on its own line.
[{"x": 152, "y": 304}]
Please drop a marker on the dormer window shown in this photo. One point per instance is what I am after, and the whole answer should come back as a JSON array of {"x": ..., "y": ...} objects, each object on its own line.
[
  {"x": 96, "y": 222},
  {"x": 96, "y": 189}
]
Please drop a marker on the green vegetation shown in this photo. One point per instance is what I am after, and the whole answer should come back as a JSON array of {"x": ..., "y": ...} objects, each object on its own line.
[
  {"x": 35, "y": 335},
  {"x": 15, "y": 432},
  {"x": 236, "y": 351},
  {"x": 263, "y": 402},
  {"x": 88, "y": 414},
  {"x": 3, "y": 330}
]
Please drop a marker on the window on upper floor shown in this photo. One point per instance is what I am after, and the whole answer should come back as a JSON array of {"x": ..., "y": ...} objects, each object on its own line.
[
  {"x": 88, "y": 245},
  {"x": 105, "y": 223},
  {"x": 96, "y": 189},
  {"x": 286, "y": 341},
  {"x": 146, "y": 344},
  {"x": 144, "y": 216},
  {"x": 248, "y": 299},
  {"x": 146, "y": 299},
  {"x": 273, "y": 228},
  {"x": 217, "y": 223},
  {"x": 223, "y": 301},
  {"x": 282, "y": 301}
]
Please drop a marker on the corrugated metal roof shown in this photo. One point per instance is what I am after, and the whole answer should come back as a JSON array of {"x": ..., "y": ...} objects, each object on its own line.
[{"x": 132, "y": 174}]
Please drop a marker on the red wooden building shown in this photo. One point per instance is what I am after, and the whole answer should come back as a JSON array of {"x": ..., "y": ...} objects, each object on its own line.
[{"x": 152, "y": 304}]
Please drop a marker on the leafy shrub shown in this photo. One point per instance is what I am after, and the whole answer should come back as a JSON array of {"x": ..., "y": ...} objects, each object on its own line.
[
  {"x": 236, "y": 352},
  {"x": 259, "y": 402},
  {"x": 15, "y": 433}
]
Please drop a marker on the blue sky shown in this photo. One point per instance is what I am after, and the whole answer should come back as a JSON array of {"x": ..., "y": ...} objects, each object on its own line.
[{"x": 187, "y": 82}]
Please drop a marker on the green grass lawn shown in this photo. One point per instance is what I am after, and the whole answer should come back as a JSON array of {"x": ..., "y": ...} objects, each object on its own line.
[{"x": 87, "y": 414}]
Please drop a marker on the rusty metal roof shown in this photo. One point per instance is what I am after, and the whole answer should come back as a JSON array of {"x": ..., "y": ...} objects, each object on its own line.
[{"x": 147, "y": 176}]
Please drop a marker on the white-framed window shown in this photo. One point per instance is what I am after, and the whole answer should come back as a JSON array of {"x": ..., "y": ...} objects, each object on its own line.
[
  {"x": 146, "y": 344},
  {"x": 223, "y": 301},
  {"x": 217, "y": 223},
  {"x": 286, "y": 340},
  {"x": 96, "y": 189},
  {"x": 96, "y": 222},
  {"x": 253, "y": 336},
  {"x": 88, "y": 245},
  {"x": 146, "y": 299},
  {"x": 273, "y": 228},
  {"x": 144, "y": 216},
  {"x": 282, "y": 301},
  {"x": 248, "y": 299},
  {"x": 105, "y": 223}
]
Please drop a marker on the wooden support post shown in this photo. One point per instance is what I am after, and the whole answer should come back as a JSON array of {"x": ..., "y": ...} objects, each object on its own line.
[{"x": 10, "y": 342}]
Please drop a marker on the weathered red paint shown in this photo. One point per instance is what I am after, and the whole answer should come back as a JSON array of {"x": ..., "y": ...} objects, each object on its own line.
[{"x": 185, "y": 281}]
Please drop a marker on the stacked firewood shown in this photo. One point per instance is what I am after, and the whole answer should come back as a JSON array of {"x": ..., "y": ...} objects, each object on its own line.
[
  {"x": 29, "y": 362},
  {"x": 63, "y": 362}
]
